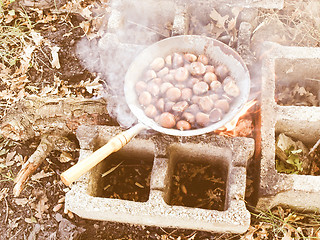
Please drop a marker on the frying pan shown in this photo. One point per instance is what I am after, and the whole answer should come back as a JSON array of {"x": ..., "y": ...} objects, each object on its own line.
[{"x": 216, "y": 51}]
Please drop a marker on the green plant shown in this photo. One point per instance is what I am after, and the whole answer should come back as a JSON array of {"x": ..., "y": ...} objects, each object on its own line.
[
  {"x": 5, "y": 145},
  {"x": 281, "y": 223},
  {"x": 15, "y": 29},
  {"x": 293, "y": 163}
]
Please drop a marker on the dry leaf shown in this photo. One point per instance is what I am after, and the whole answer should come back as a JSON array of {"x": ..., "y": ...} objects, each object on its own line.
[
  {"x": 97, "y": 23},
  {"x": 48, "y": 18},
  {"x": 214, "y": 30},
  {"x": 21, "y": 201},
  {"x": 14, "y": 223},
  {"x": 55, "y": 57},
  {"x": 40, "y": 175},
  {"x": 221, "y": 20},
  {"x": 36, "y": 37},
  {"x": 30, "y": 220},
  {"x": 10, "y": 156},
  {"x": 232, "y": 24},
  {"x": 111, "y": 170},
  {"x": 65, "y": 157},
  {"x": 314, "y": 168},
  {"x": 25, "y": 60},
  {"x": 92, "y": 85},
  {"x": 249, "y": 234},
  {"x": 3, "y": 193},
  {"x": 85, "y": 25},
  {"x": 40, "y": 206},
  {"x": 86, "y": 13},
  {"x": 287, "y": 235},
  {"x": 18, "y": 159},
  {"x": 138, "y": 185},
  {"x": 57, "y": 207},
  {"x": 9, "y": 18}
]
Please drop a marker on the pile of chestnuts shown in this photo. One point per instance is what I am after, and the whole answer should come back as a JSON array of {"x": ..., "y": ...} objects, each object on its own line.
[{"x": 184, "y": 91}]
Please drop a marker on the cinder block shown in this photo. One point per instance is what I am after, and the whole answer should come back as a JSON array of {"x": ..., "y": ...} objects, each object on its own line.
[
  {"x": 286, "y": 65},
  {"x": 232, "y": 153},
  {"x": 180, "y": 24},
  {"x": 148, "y": 21},
  {"x": 241, "y": 3}
]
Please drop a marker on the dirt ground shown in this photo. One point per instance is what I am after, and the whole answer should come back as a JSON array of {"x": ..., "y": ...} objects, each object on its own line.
[{"x": 38, "y": 212}]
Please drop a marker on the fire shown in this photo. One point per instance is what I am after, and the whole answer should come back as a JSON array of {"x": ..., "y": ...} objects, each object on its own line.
[{"x": 230, "y": 126}]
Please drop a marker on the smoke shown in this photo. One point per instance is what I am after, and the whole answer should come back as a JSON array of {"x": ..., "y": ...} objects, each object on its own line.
[{"x": 131, "y": 27}]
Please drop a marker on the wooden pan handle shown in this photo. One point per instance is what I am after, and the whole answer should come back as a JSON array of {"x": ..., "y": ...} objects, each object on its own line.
[{"x": 114, "y": 144}]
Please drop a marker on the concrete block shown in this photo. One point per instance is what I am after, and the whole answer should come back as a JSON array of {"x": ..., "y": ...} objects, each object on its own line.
[
  {"x": 159, "y": 177},
  {"x": 244, "y": 42},
  {"x": 148, "y": 21},
  {"x": 231, "y": 153},
  {"x": 115, "y": 22},
  {"x": 181, "y": 21},
  {"x": 268, "y": 4},
  {"x": 284, "y": 65}
]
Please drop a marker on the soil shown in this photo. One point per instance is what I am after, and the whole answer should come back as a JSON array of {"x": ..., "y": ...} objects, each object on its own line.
[
  {"x": 71, "y": 72},
  {"x": 198, "y": 185},
  {"x": 127, "y": 179}
]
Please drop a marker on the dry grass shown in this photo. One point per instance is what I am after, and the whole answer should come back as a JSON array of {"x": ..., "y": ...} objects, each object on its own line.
[
  {"x": 283, "y": 223},
  {"x": 15, "y": 28},
  {"x": 298, "y": 22}
]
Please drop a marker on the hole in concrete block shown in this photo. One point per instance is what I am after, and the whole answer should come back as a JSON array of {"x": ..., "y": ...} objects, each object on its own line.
[
  {"x": 292, "y": 155},
  {"x": 126, "y": 176},
  {"x": 297, "y": 82},
  {"x": 198, "y": 185},
  {"x": 198, "y": 179}
]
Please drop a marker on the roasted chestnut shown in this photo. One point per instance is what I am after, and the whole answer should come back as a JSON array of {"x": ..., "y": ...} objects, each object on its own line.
[
  {"x": 157, "y": 64},
  {"x": 167, "y": 120},
  {"x": 200, "y": 88},
  {"x": 197, "y": 68},
  {"x": 185, "y": 91},
  {"x": 183, "y": 125},
  {"x": 173, "y": 94}
]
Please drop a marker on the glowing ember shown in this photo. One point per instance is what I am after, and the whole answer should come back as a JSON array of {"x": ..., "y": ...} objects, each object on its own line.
[
  {"x": 229, "y": 128},
  {"x": 231, "y": 125}
]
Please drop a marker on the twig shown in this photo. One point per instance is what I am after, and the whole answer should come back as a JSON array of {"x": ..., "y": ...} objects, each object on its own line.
[
  {"x": 192, "y": 235},
  {"x": 111, "y": 170},
  {"x": 169, "y": 234},
  {"x": 16, "y": 233},
  {"x": 42, "y": 151},
  {"x": 7, "y": 210},
  {"x": 47, "y": 144},
  {"x": 314, "y": 147},
  {"x": 313, "y": 79},
  {"x": 150, "y": 29}
]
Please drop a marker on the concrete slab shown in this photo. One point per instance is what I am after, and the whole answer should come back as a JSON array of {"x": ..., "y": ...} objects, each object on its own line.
[
  {"x": 166, "y": 151},
  {"x": 284, "y": 64}
]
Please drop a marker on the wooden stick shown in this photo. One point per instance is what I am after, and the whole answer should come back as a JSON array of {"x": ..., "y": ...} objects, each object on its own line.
[
  {"x": 114, "y": 144},
  {"x": 32, "y": 164}
]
